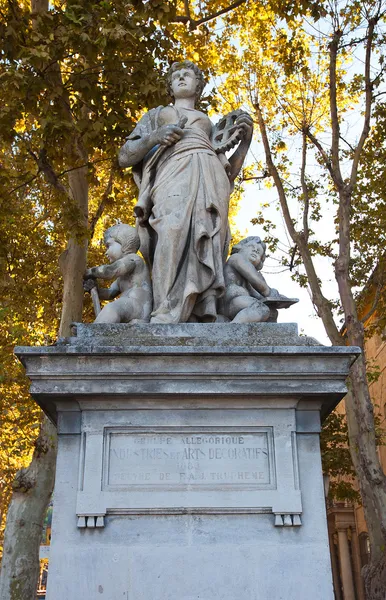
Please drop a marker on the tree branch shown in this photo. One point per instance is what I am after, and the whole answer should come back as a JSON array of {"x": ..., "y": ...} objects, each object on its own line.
[
  {"x": 323, "y": 306},
  {"x": 355, "y": 332},
  {"x": 348, "y": 143},
  {"x": 257, "y": 177},
  {"x": 335, "y": 165},
  {"x": 306, "y": 195},
  {"x": 293, "y": 254},
  {"x": 43, "y": 217},
  {"x": 187, "y": 8},
  {"x": 194, "y": 23},
  {"x": 368, "y": 102},
  {"x": 46, "y": 168},
  {"x": 380, "y": 285},
  {"x": 18, "y": 187},
  {"x": 104, "y": 200},
  {"x": 373, "y": 308},
  {"x": 322, "y": 151},
  {"x": 274, "y": 172}
]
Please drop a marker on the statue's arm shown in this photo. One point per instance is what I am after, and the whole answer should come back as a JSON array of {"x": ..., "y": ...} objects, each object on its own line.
[
  {"x": 112, "y": 271},
  {"x": 237, "y": 159},
  {"x": 109, "y": 293},
  {"x": 254, "y": 293},
  {"x": 143, "y": 139},
  {"x": 254, "y": 278},
  {"x": 135, "y": 148}
]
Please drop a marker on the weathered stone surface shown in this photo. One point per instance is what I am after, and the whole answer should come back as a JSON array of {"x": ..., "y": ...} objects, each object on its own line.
[
  {"x": 188, "y": 554},
  {"x": 250, "y": 360},
  {"x": 131, "y": 279},
  {"x": 189, "y": 462},
  {"x": 248, "y": 298},
  {"x": 184, "y": 183},
  {"x": 217, "y": 335}
]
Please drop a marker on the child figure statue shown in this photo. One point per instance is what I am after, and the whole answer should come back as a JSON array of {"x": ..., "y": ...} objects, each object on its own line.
[
  {"x": 248, "y": 298},
  {"x": 132, "y": 279}
]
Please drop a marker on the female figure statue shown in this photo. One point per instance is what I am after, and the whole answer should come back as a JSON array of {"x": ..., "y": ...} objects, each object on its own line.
[{"x": 182, "y": 209}]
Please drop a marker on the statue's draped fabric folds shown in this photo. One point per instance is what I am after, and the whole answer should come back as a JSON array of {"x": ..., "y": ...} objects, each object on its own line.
[
  {"x": 185, "y": 180},
  {"x": 185, "y": 239},
  {"x": 180, "y": 163}
]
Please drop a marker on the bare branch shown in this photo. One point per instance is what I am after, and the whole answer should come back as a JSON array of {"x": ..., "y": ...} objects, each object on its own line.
[
  {"x": 378, "y": 291},
  {"x": 46, "y": 168},
  {"x": 323, "y": 306},
  {"x": 346, "y": 142},
  {"x": 322, "y": 151},
  {"x": 187, "y": 8},
  {"x": 293, "y": 254},
  {"x": 257, "y": 177},
  {"x": 25, "y": 183},
  {"x": 376, "y": 96},
  {"x": 368, "y": 102},
  {"x": 94, "y": 162},
  {"x": 274, "y": 173},
  {"x": 352, "y": 43},
  {"x": 306, "y": 195},
  {"x": 194, "y": 23},
  {"x": 335, "y": 165}
]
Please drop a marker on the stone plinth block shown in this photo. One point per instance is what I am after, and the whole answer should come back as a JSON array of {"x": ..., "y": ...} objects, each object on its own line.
[{"x": 189, "y": 462}]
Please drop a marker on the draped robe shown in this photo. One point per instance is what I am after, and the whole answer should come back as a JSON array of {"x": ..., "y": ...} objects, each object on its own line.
[{"x": 183, "y": 214}]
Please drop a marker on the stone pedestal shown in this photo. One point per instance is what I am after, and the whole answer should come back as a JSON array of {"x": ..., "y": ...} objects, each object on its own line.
[{"x": 188, "y": 464}]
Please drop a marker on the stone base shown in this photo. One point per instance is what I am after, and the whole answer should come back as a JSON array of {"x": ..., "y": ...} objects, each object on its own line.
[{"x": 189, "y": 462}]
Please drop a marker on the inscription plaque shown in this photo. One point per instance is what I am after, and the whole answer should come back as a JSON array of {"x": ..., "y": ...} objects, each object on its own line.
[{"x": 189, "y": 458}]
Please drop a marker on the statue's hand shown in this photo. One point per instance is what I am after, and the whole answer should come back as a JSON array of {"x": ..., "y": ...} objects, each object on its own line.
[
  {"x": 89, "y": 284},
  {"x": 274, "y": 293},
  {"x": 167, "y": 135},
  {"x": 88, "y": 281},
  {"x": 245, "y": 123}
]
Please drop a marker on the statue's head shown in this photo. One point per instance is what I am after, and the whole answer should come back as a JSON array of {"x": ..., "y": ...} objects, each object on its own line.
[
  {"x": 125, "y": 235},
  {"x": 179, "y": 67},
  {"x": 253, "y": 248}
]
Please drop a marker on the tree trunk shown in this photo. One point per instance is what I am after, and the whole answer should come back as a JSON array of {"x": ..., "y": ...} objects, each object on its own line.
[
  {"x": 73, "y": 261},
  {"x": 371, "y": 479},
  {"x": 33, "y": 486},
  {"x": 360, "y": 414},
  {"x": 374, "y": 574},
  {"x": 375, "y": 580},
  {"x": 32, "y": 490}
]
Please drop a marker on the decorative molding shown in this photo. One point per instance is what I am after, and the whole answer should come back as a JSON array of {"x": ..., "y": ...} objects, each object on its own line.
[
  {"x": 287, "y": 520},
  {"x": 90, "y": 521}
]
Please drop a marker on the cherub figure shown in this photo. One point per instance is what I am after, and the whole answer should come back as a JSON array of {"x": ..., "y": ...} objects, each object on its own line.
[
  {"x": 247, "y": 291},
  {"x": 132, "y": 279}
]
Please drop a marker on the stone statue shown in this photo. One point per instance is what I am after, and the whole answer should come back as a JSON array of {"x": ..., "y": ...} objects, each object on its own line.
[
  {"x": 184, "y": 178},
  {"x": 248, "y": 298},
  {"x": 132, "y": 279}
]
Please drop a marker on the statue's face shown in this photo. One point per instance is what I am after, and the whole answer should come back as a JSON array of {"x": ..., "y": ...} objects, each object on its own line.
[
  {"x": 113, "y": 250},
  {"x": 255, "y": 253},
  {"x": 184, "y": 83}
]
